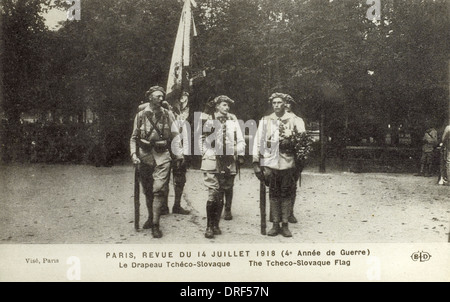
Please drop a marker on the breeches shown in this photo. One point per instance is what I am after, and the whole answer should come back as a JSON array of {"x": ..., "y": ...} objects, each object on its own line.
[
  {"x": 282, "y": 188},
  {"x": 155, "y": 179},
  {"x": 217, "y": 183},
  {"x": 179, "y": 176},
  {"x": 281, "y": 182}
]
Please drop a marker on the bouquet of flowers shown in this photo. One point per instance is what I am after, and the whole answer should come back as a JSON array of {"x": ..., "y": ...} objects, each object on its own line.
[{"x": 296, "y": 143}]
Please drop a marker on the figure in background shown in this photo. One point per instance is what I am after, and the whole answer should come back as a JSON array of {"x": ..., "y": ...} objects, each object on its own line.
[
  {"x": 430, "y": 141},
  {"x": 445, "y": 165}
]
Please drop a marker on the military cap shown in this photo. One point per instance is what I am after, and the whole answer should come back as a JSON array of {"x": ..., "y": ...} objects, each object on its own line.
[
  {"x": 222, "y": 98},
  {"x": 285, "y": 97},
  {"x": 153, "y": 89}
]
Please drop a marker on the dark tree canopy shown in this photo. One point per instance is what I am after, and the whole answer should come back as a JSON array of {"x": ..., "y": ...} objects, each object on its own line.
[{"x": 326, "y": 54}]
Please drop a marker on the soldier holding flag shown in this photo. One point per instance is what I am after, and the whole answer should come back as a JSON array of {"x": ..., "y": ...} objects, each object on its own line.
[
  {"x": 176, "y": 99},
  {"x": 179, "y": 171}
]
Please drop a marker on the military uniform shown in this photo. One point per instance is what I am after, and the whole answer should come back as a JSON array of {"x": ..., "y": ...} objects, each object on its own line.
[
  {"x": 221, "y": 142},
  {"x": 179, "y": 172},
  {"x": 278, "y": 167},
  {"x": 151, "y": 138},
  {"x": 430, "y": 141}
]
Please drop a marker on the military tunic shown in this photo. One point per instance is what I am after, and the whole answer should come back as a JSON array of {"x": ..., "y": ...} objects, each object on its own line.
[
  {"x": 221, "y": 142},
  {"x": 155, "y": 160}
]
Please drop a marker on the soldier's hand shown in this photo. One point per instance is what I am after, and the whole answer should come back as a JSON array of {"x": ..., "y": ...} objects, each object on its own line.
[
  {"x": 258, "y": 172},
  {"x": 135, "y": 159}
]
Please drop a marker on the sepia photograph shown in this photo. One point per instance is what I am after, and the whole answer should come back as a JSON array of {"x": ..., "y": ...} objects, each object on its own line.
[{"x": 205, "y": 138}]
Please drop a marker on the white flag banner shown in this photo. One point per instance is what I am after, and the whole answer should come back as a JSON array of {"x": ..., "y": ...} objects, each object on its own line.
[{"x": 178, "y": 79}]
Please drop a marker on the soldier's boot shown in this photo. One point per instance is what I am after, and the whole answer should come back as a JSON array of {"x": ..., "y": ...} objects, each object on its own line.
[
  {"x": 292, "y": 218},
  {"x": 177, "y": 209},
  {"x": 149, "y": 223},
  {"x": 217, "y": 213},
  {"x": 165, "y": 205},
  {"x": 275, "y": 217},
  {"x": 285, "y": 230},
  {"x": 271, "y": 211},
  {"x": 275, "y": 230},
  {"x": 228, "y": 200},
  {"x": 286, "y": 206},
  {"x": 158, "y": 201},
  {"x": 209, "y": 219}
]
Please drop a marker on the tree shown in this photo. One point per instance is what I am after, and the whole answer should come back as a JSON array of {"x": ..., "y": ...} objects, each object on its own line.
[
  {"x": 23, "y": 31},
  {"x": 23, "y": 37}
]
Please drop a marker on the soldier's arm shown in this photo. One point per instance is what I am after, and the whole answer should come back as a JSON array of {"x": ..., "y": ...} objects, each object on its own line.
[
  {"x": 142, "y": 106},
  {"x": 259, "y": 135},
  {"x": 300, "y": 124},
  {"x": 175, "y": 135},
  {"x": 240, "y": 140},
  {"x": 205, "y": 139},
  {"x": 134, "y": 135}
]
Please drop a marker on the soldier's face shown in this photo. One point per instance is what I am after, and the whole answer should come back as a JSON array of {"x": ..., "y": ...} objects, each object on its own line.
[
  {"x": 156, "y": 98},
  {"x": 278, "y": 105},
  {"x": 223, "y": 107}
]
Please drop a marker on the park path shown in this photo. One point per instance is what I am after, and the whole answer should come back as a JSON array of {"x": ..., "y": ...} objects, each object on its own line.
[{"x": 62, "y": 204}]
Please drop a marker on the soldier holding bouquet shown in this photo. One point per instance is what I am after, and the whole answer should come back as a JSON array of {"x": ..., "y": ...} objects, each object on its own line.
[{"x": 277, "y": 147}]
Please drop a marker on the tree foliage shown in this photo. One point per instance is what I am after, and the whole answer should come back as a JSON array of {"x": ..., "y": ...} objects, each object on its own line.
[
  {"x": 23, "y": 33},
  {"x": 326, "y": 54}
]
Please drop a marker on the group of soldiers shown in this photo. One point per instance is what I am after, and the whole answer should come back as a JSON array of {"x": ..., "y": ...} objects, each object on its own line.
[
  {"x": 157, "y": 147},
  {"x": 432, "y": 146}
]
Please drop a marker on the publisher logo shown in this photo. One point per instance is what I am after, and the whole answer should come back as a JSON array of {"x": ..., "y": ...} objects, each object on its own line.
[{"x": 420, "y": 256}]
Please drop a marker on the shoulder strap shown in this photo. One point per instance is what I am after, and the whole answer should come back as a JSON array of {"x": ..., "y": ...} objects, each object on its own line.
[
  {"x": 154, "y": 127},
  {"x": 149, "y": 118}
]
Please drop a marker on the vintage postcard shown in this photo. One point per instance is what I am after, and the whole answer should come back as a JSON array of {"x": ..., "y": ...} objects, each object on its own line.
[{"x": 224, "y": 141}]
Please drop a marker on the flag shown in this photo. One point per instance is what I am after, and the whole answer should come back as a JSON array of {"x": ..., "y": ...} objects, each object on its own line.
[{"x": 178, "y": 80}]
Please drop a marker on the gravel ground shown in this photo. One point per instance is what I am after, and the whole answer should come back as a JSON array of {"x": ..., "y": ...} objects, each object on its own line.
[{"x": 65, "y": 204}]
